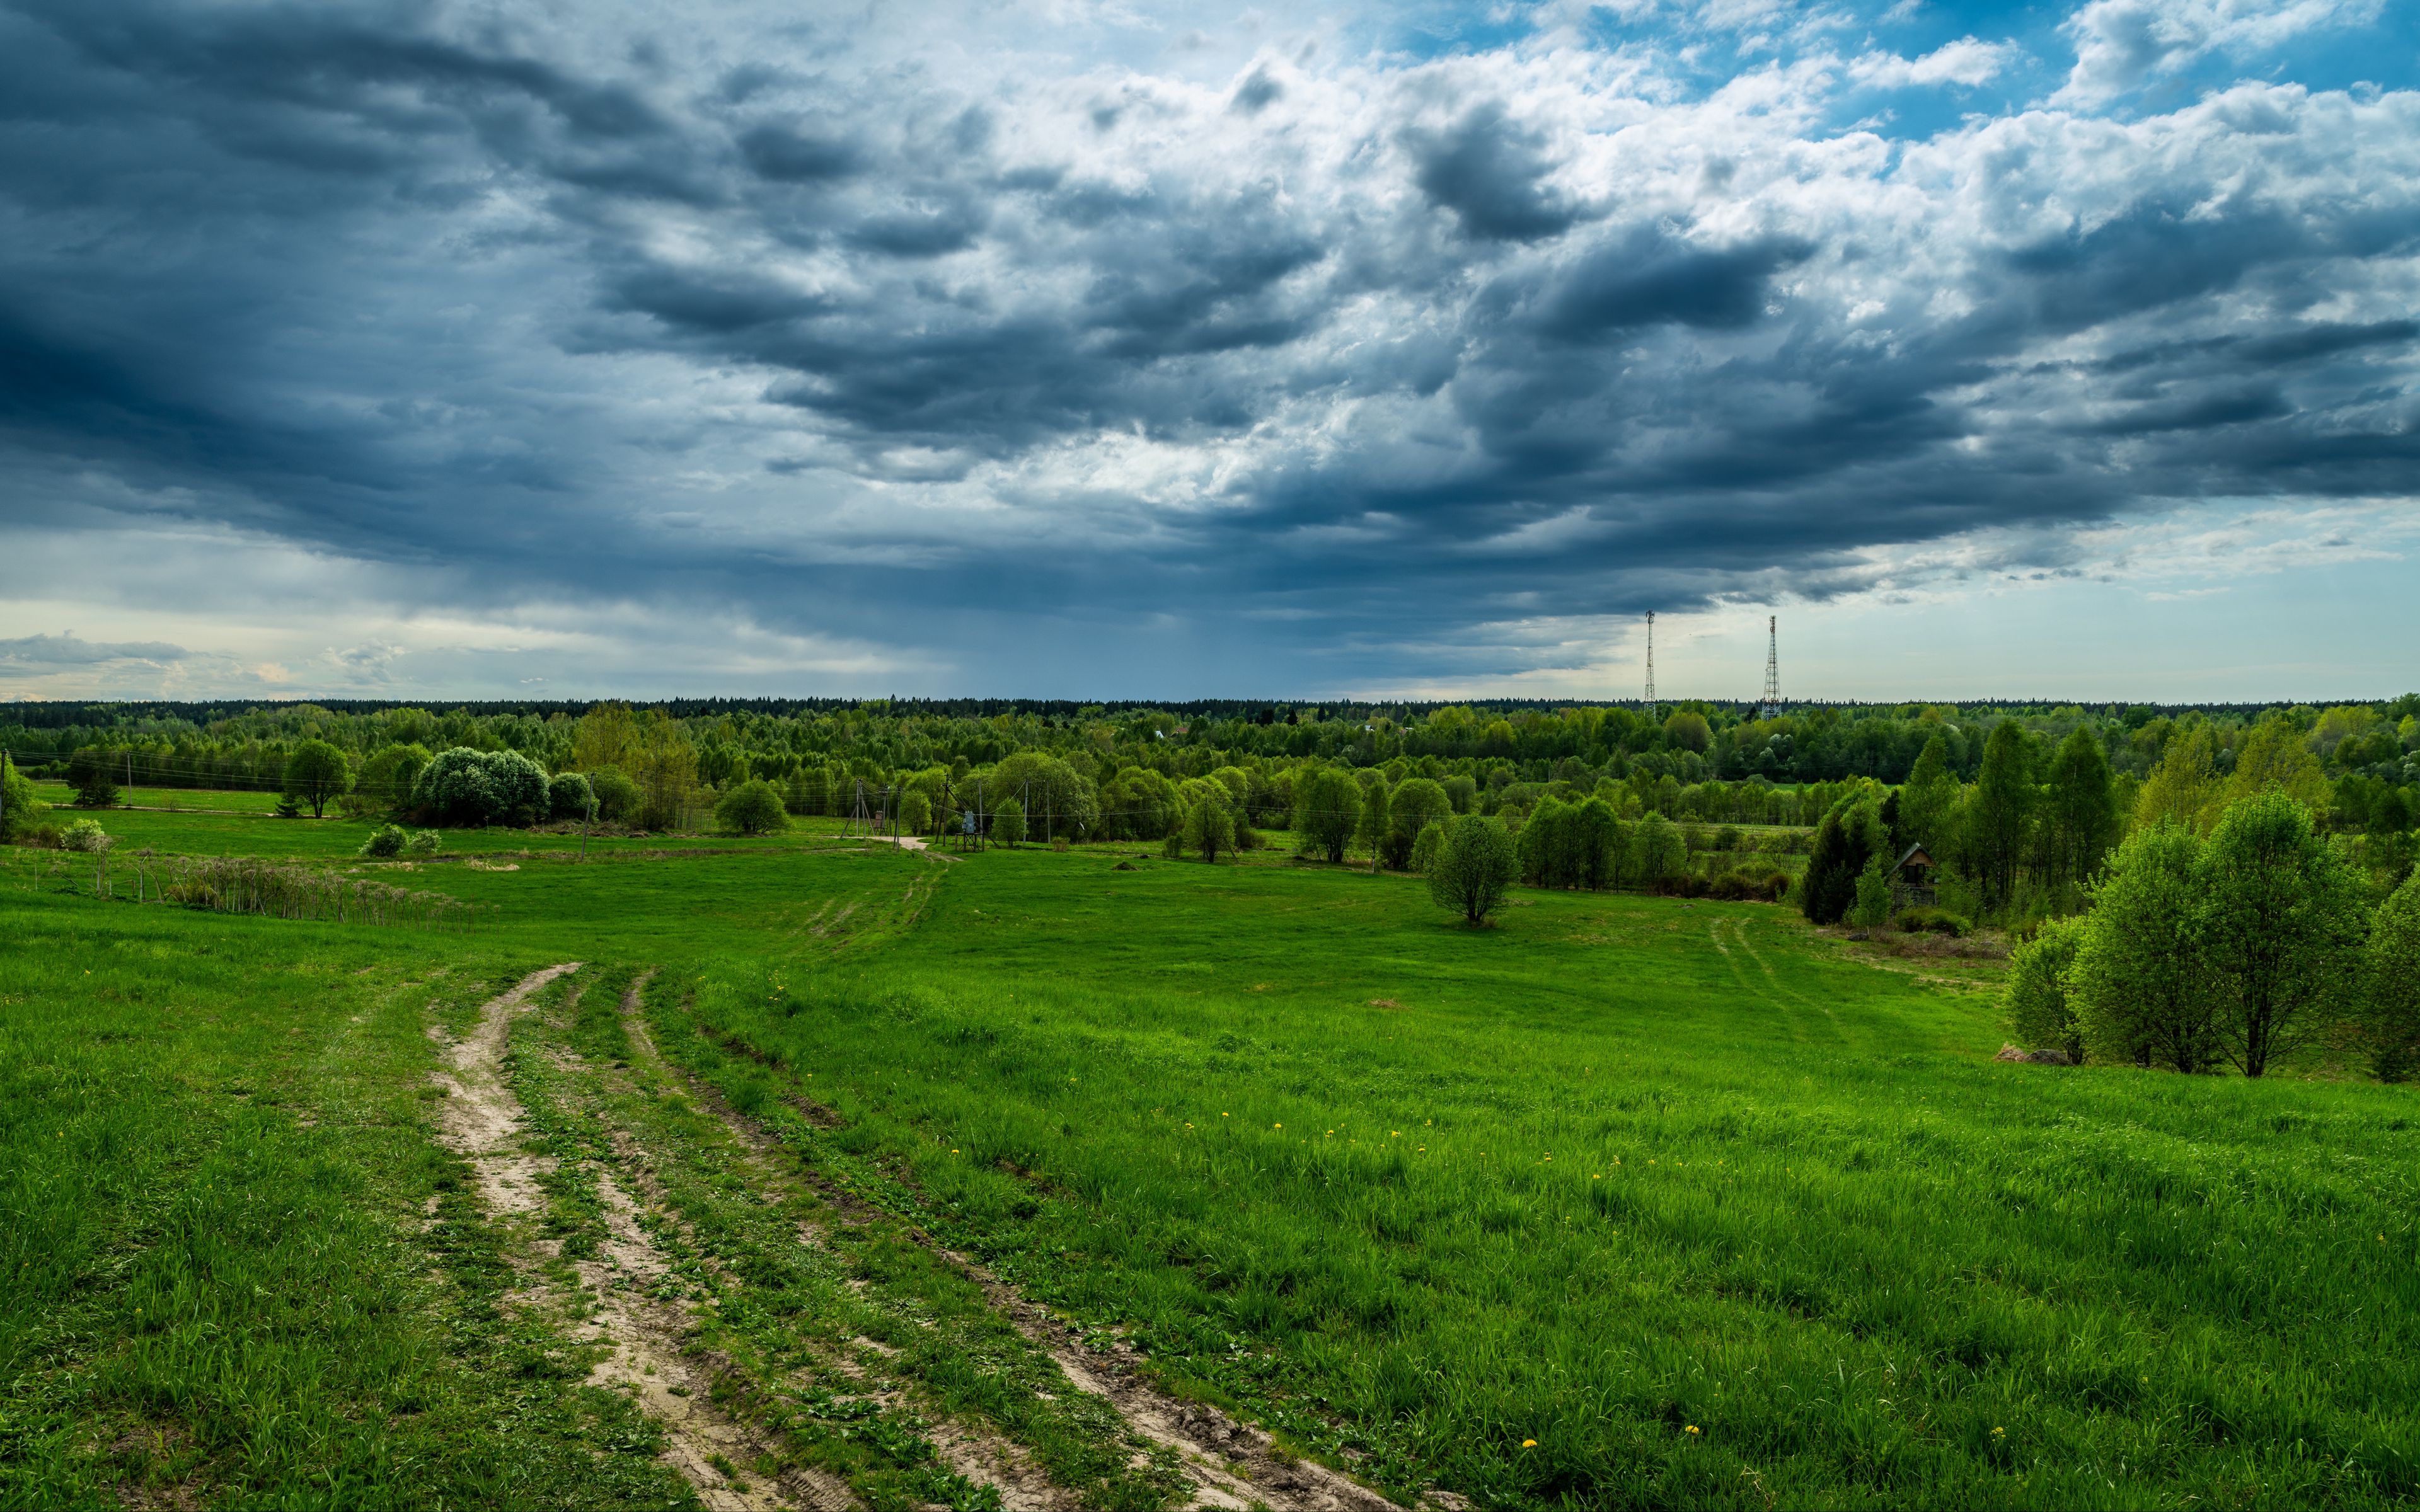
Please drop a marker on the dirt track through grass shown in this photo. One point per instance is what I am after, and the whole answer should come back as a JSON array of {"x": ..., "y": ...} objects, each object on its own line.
[
  {"x": 638, "y": 1341},
  {"x": 1226, "y": 1464}
]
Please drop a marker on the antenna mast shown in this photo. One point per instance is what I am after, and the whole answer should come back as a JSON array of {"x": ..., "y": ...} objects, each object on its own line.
[
  {"x": 1651, "y": 664},
  {"x": 1772, "y": 709}
]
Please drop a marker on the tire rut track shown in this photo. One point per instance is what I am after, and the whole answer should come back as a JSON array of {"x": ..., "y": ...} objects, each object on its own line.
[
  {"x": 482, "y": 1119},
  {"x": 1230, "y": 1466}
]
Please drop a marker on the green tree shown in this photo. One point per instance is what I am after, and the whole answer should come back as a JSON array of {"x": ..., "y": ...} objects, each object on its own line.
[
  {"x": 1598, "y": 838},
  {"x": 808, "y": 790},
  {"x": 1415, "y": 804},
  {"x": 2140, "y": 989},
  {"x": 753, "y": 808},
  {"x": 2035, "y": 998},
  {"x": 1474, "y": 869},
  {"x": 2185, "y": 784},
  {"x": 915, "y": 813},
  {"x": 1428, "y": 846},
  {"x": 1370, "y": 833},
  {"x": 2280, "y": 931},
  {"x": 1928, "y": 802},
  {"x": 1873, "y": 907},
  {"x": 1658, "y": 853},
  {"x": 617, "y": 796},
  {"x": 1997, "y": 825},
  {"x": 1686, "y": 730},
  {"x": 2079, "y": 808},
  {"x": 20, "y": 811},
  {"x": 568, "y": 795},
  {"x": 2274, "y": 755},
  {"x": 2391, "y": 999},
  {"x": 1008, "y": 821},
  {"x": 1540, "y": 849},
  {"x": 1210, "y": 827},
  {"x": 316, "y": 773},
  {"x": 387, "y": 776},
  {"x": 93, "y": 774},
  {"x": 1847, "y": 839},
  {"x": 1055, "y": 797}
]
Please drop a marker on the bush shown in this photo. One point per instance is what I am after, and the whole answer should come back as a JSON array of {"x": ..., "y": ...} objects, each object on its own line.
[
  {"x": 1475, "y": 868},
  {"x": 2035, "y": 998},
  {"x": 1928, "y": 920},
  {"x": 915, "y": 813},
  {"x": 1429, "y": 846},
  {"x": 21, "y": 812},
  {"x": 1748, "y": 885},
  {"x": 2391, "y": 1008},
  {"x": 422, "y": 843},
  {"x": 568, "y": 795},
  {"x": 1874, "y": 897},
  {"x": 471, "y": 788},
  {"x": 453, "y": 787},
  {"x": 753, "y": 808},
  {"x": 86, "y": 835},
  {"x": 617, "y": 796},
  {"x": 385, "y": 841}
]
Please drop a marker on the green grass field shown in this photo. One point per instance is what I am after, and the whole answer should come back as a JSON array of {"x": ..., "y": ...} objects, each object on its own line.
[{"x": 1625, "y": 1202}]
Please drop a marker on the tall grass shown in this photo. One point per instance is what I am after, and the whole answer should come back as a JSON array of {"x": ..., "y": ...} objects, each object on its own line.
[
  {"x": 247, "y": 885},
  {"x": 1619, "y": 1170}
]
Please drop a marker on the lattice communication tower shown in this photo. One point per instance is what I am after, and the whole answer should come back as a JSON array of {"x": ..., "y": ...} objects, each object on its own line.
[
  {"x": 1772, "y": 709},
  {"x": 1651, "y": 664}
]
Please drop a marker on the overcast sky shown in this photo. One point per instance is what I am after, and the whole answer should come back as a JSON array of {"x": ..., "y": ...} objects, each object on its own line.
[{"x": 1143, "y": 349}]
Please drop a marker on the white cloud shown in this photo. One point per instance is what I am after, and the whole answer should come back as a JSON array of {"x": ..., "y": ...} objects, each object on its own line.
[{"x": 2121, "y": 44}]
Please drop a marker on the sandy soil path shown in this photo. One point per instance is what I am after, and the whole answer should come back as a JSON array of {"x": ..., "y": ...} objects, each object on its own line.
[{"x": 481, "y": 1120}]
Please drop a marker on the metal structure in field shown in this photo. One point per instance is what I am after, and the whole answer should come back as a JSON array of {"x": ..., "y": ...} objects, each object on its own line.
[
  {"x": 1772, "y": 709},
  {"x": 1651, "y": 664}
]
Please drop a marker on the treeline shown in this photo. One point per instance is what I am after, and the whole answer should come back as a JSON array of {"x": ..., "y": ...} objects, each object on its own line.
[
  {"x": 1712, "y": 764},
  {"x": 2026, "y": 837}
]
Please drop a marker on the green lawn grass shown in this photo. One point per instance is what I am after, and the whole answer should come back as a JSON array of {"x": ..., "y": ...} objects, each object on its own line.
[{"x": 1615, "y": 1170}]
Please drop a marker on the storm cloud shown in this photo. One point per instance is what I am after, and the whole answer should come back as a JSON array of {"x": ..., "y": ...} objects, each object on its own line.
[{"x": 930, "y": 340}]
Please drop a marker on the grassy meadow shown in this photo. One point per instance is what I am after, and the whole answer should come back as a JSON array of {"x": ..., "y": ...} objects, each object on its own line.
[{"x": 1626, "y": 1201}]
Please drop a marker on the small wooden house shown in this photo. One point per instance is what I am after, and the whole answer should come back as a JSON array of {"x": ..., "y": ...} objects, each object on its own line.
[{"x": 1912, "y": 879}]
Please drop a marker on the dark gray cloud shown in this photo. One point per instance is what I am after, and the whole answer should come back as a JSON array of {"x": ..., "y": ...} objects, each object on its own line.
[
  {"x": 46, "y": 653},
  {"x": 829, "y": 329}
]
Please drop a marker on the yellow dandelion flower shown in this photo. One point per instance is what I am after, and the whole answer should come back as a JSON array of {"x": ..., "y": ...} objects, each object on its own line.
[
  {"x": 1692, "y": 1428},
  {"x": 1528, "y": 1443},
  {"x": 1999, "y": 1434}
]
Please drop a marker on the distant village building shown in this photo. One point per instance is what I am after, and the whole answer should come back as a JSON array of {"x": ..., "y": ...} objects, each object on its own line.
[{"x": 1912, "y": 880}]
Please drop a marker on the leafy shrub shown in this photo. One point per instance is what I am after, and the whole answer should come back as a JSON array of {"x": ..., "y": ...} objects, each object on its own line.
[
  {"x": 753, "y": 808},
  {"x": 86, "y": 835},
  {"x": 1924, "y": 920},
  {"x": 1008, "y": 821},
  {"x": 1428, "y": 847},
  {"x": 1743, "y": 884},
  {"x": 617, "y": 796},
  {"x": 1209, "y": 828},
  {"x": 568, "y": 795},
  {"x": 2035, "y": 998},
  {"x": 1873, "y": 907},
  {"x": 471, "y": 787},
  {"x": 21, "y": 812},
  {"x": 915, "y": 813},
  {"x": 385, "y": 841},
  {"x": 2390, "y": 1021},
  {"x": 424, "y": 842}
]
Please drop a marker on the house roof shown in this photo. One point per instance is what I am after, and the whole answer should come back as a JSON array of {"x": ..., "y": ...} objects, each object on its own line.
[{"x": 1913, "y": 853}]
